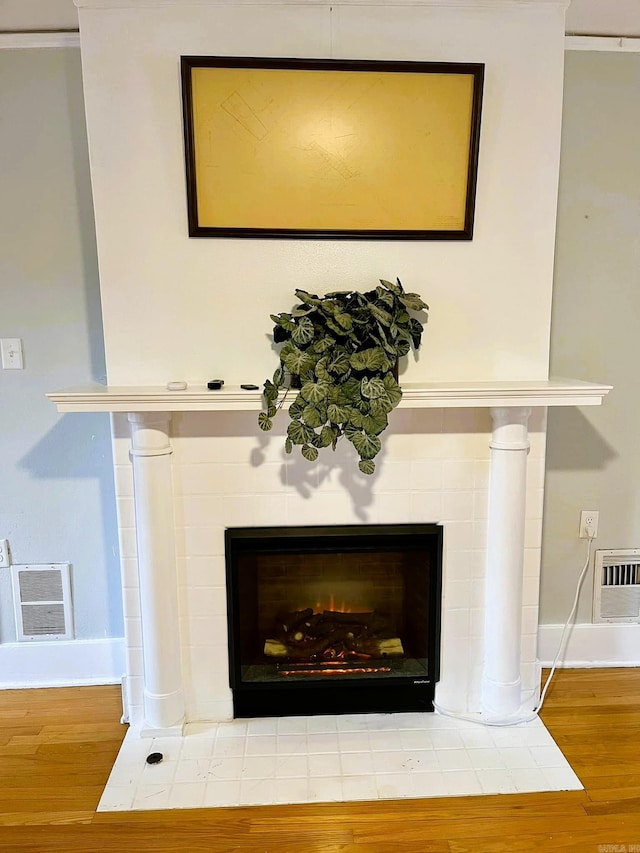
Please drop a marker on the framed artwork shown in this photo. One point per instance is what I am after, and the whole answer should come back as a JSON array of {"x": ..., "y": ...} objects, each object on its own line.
[{"x": 331, "y": 149}]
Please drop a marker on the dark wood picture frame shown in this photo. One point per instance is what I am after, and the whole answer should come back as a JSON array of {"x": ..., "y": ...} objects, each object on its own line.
[{"x": 398, "y": 159}]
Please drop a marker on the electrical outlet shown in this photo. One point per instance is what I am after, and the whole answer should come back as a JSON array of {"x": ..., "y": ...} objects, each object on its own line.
[
  {"x": 5, "y": 555},
  {"x": 589, "y": 519}
]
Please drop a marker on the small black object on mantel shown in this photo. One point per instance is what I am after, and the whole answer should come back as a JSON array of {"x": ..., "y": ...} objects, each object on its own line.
[
  {"x": 249, "y": 386},
  {"x": 215, "y": 384},
  {"x": 154, "y": 758}
]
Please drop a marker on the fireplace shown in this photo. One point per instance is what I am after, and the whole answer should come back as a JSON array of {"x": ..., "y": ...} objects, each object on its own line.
[
  {"x": 334, "y": 619},
  {"x": 469, "y": 455}
]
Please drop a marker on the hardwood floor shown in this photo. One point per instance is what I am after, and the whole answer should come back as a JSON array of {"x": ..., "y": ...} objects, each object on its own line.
[{"x": 57, "y": 748}]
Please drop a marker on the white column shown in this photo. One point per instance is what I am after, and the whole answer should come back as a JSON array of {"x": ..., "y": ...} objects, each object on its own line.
[
  {"x": 501, "y": 686},
  {"x": 151, "y": 457}
]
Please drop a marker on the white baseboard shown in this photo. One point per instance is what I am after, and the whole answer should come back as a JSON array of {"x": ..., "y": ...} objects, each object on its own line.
[
  {"x": 64, "y": 663},
  {"x": 604, "y": 644}
]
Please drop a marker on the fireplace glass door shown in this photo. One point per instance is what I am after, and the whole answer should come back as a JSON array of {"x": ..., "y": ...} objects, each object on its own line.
[{"x": 333, "y": 619}]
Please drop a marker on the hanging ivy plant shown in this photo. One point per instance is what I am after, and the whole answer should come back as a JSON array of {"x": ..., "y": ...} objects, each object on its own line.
[{"x": 342, "y": 350}]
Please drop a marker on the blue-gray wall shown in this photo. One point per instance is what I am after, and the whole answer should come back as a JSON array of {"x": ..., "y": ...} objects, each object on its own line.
[
  {"x": 56, "y": 486},
  {"x": 593, "y": 454}
]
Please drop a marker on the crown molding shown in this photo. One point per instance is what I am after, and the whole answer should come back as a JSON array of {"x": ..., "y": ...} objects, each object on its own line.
[
  {"x": 447, "y": 4},
  {"x": 612, "y": 44},
  {"x": 18, "y": 41}
]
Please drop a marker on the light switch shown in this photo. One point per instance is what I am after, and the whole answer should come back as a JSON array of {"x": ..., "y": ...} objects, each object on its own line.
[{"x": 11, "y": 349}]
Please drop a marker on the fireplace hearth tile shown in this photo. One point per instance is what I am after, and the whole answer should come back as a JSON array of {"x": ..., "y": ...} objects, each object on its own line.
[
  {"x": 354, "y": 741},
  {"x": 187, "y": 795},
  {"x": 291, "y": 725},
  {"x": 292, "y": 767},
  {"x": 228, "y": 747},
  {"x": 223, "y": 794},
  {"x": 292, "y": 744},
  {"x": 334, "y": 758},
  {"x": 497, "y": 782},
  {"x": 462, "y": 783},
  {"x": 527, "y": 780}
]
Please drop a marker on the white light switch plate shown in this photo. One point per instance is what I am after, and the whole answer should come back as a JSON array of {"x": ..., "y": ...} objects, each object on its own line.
[{"x": 11, "y": 350}]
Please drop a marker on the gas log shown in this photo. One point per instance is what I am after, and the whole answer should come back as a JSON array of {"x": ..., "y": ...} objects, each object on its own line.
[{"x": 304, "y": 635}]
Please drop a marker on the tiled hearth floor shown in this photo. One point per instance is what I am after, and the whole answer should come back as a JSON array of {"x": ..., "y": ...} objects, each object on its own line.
[{"x": 334, "y": 758}]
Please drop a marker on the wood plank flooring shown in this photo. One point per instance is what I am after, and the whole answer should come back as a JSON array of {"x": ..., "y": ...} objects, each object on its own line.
[{"x": 57, "y": 748}]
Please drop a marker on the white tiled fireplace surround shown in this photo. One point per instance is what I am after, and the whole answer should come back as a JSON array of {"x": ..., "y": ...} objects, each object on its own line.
[{"x": 189, "y": 464}]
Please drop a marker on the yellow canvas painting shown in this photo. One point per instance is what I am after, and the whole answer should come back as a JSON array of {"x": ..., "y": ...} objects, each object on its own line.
[{"x": 359, "y": 149}]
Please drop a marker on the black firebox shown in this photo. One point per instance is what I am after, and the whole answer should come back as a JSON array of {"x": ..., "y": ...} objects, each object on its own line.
[{"x": 326, "y": 620}]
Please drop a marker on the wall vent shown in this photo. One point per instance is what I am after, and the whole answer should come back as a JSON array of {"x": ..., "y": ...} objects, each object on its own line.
[
  {"x": 616, "y": 586},
  {"x": 42, "y": 602}
]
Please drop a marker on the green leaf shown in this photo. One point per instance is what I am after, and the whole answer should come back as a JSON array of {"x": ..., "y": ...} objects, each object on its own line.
[
  {"x": 381, "y": 315},
  {"x": 372, "y": 388},
  {"x": 299, "y": 433},
  {"x": 394, "y": 391},
  {"x": 284, "y": 321},
  {"x": 362, "y": 405},
  {"x": 339, "y": 364},
  {"x": 374, "y": 425},
  {"x": 380, "y": 407},
  {"x": 327, "y": 435},
  {"x": 308, "y": 298},
  {"x": 329, "y": 307},
  {"x": 403, "y": 345},
  {"x": 312, "y": 416},
  {"x": 344, "y": 320},
  {"x": 271, "y": 411},
  {"x": 288, "y": 445},
  {"x": 270, "y": 391},
  {"x": 322, "y": 345},
  {"x": 385, "y": 296},
  {"x": 414, "y": 327},
  {"x": 349, "y": 431},
  {"x": 394, "y": 288},
  {"x": 278, "y": 377},
  {"x": 297, "y": 407},
  {"x": 314, "y": 392},
  {"x": 338, "y": 414},
  {"x": 309, "y": 452},
  {"x": 322, "y": 372},
  {"x": 298, "y": 362},
  {"x": 413, "y": 301},
  {"x": 369, "y": 359},
  {"x": 355, "y": 418},
  {"x": 264, "y": 421},
  {"x": 335, "y": 328},
  {"x": 390, "y": 350},
  {"x": 367, "y": 446},
  {"x": 349, "y": 391},
  {"x": 367, "y": 466},
  {"x": 303, "y": 332}
]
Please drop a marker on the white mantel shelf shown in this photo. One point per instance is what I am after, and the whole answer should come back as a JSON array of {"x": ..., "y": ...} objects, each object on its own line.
[{"x": 552, "y": 392}]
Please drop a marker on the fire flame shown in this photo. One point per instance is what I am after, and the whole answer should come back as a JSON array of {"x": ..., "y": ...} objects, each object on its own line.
[
  {"x": 320, "y": 606},
  {"x": 361, "y": 670}
]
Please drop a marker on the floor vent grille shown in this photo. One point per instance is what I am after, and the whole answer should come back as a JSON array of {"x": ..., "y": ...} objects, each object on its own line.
[
  {"x": 616, "y": 585},
  {"x": 42, "y": 602}
]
